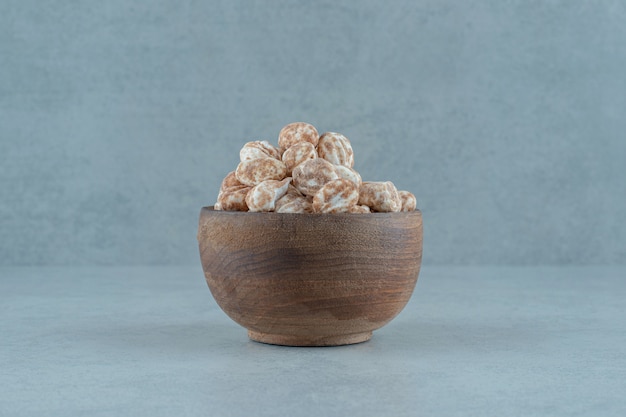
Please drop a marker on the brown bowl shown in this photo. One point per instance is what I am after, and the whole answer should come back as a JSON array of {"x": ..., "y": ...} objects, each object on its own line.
[{"x": 310, "y": 279}]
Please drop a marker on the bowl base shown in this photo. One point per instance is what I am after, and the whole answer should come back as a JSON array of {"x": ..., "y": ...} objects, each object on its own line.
[{"x": 294, "y": 340}]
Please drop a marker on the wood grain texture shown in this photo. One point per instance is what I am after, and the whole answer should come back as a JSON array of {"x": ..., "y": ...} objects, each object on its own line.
[{"x": 310, "y": 279}]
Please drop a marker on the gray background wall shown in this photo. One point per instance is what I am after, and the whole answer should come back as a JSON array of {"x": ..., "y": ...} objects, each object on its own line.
[{"x": 507, "y": 119}]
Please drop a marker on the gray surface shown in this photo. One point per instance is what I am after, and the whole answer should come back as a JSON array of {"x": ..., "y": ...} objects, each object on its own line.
[
  {"x": 472, "y": 341},
  {"x": 118, "y": 119}
]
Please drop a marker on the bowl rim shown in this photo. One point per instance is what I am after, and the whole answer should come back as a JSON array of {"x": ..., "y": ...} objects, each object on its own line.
[{"x": 265, "y": 213}]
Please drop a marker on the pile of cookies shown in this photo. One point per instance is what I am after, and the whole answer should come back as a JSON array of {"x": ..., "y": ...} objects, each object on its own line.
[{"x": 306, "y": 173}]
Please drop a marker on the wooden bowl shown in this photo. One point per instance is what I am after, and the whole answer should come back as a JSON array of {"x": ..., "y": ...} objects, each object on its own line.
[{"x": 310, "y": 279}]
